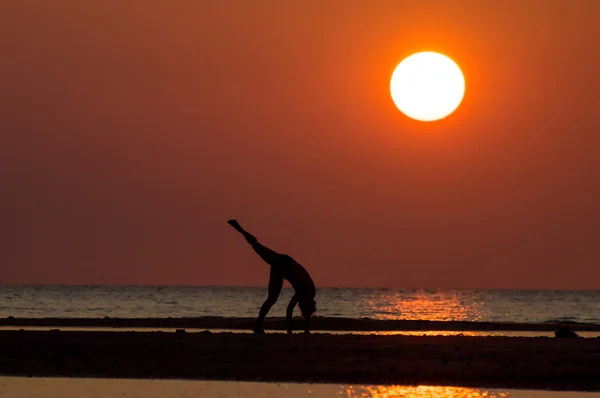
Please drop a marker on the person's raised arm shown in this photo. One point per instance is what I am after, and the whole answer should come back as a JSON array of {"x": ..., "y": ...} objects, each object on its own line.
[
  {"x": 289, "y": 312},
  {"x": 307, "y": 324}
]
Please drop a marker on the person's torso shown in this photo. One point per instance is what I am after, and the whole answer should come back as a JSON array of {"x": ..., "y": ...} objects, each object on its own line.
[{"x": 298, "y": 277}]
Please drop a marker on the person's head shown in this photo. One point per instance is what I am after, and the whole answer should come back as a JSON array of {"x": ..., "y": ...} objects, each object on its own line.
[{"x": 308, "y": 307}]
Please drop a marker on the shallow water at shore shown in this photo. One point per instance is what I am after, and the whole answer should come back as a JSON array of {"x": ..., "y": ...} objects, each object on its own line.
[{"x": 13, "y": 387}]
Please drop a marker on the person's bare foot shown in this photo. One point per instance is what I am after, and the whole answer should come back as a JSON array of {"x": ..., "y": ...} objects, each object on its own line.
[
  {"x": 258, "y": 330},
  {"x": 235, "y": 224}
]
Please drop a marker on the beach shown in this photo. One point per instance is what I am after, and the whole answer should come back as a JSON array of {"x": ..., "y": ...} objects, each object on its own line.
[
  {"x": 493, "y": 362},
  {"x": 278, "y": 323}
]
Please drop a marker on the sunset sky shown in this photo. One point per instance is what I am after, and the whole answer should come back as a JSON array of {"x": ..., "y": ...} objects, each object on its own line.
[{"x": 131, "y": 130}]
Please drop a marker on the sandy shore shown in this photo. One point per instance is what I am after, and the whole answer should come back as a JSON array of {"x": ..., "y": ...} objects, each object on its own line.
[
  {"x": 318, "y": 323},
  {"x": 494, "y": 362}
]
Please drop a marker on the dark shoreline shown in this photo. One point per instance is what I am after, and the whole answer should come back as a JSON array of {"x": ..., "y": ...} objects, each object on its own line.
[
  {"x": 318, "y": 323},
  {"x": 491, "y": 362}
]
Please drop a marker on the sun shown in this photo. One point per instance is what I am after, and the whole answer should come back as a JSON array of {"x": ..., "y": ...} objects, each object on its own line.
[{"x": 427, "y": 86}]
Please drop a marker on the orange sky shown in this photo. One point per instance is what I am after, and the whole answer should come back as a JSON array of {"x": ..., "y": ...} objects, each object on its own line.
[{"x": 132, "y": 130}]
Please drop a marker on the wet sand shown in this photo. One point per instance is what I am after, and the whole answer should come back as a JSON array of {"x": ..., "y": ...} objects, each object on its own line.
[
  {"x": 493, "y": 362},
  {"x": 275, "y": 323}
]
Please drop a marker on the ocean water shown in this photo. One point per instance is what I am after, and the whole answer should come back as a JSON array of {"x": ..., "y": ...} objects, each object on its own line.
[
  {"x": 13, "y": 387},
  {"x": 410, "y": 304}
]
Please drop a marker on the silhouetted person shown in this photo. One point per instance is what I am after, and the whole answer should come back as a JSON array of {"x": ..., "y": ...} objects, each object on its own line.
[{"x": 283, "y": 267}]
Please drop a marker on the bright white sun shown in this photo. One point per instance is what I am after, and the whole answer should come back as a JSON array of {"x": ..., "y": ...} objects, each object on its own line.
[{"x": 427, "y": 86}]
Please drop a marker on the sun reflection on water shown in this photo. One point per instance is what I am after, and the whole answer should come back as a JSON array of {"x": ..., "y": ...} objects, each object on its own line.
[
  {"x": 428, "y": 305},
  {"x": 418, "y": 392}
]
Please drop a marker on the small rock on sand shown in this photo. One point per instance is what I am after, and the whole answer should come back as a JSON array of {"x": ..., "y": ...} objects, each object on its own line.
[{"x": 565, "y": 332}]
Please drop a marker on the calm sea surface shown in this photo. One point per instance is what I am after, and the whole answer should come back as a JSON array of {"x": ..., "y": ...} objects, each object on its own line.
[
  {"x": 152, "y": 301},
  {"x": 13, "y": 387}
]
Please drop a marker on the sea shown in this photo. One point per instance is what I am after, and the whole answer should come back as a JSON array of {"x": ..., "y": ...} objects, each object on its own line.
[{"x": 529, "y": 306}]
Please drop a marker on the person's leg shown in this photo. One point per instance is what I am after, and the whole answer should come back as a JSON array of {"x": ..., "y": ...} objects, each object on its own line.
[
  {"x": 269, "y": 256},
  {"x": 275, "y": 286}
]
